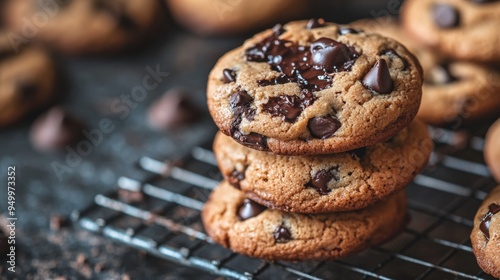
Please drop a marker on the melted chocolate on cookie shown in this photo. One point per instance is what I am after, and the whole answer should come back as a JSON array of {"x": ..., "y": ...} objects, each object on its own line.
[
  {"x": 311, "y": 67},
  {"x": 249, "y": 209},
  {"x": 485, "y": 223}
]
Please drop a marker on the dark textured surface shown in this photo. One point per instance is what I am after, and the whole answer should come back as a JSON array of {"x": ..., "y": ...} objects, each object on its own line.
[{"x": 91, "y": 87}]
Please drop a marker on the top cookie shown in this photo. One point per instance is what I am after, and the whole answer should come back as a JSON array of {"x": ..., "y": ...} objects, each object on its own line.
[
  {"x": 311, "y": 88},
  {"x": 460, "y": 29},
  {"x": 83, "y": 26}
]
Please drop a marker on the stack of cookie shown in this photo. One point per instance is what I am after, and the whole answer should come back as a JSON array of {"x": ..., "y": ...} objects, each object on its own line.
[{"x": 316, "y": 143}]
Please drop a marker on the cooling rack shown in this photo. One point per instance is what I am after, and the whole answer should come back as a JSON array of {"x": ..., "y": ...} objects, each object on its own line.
[{"x": 161, "y": 215}]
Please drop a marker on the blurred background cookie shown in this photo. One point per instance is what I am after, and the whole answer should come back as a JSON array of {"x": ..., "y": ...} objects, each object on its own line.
[
  {"x": 485, "y": 236},
  {"x": 219, "y": 17},
  {"x": 465, "y": 30},
  {"x": 27, "y": 81},
  {"x": 492, "y": 150},
  {"x": 84, "y": 26},
  {"x": 454, "y": 92}
]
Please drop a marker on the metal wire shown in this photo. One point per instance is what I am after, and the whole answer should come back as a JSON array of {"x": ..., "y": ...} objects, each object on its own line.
[{"x": 166, "y": 223}]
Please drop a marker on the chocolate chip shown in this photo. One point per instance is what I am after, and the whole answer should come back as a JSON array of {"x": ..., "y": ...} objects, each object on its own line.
[
  {"x": 249, "y": 209},
  {"x": 282, "y": 235},
  {"x": 239, "y": 99},
  {"x": 315, "y": 23},
  {"x": 358, "y": 153},
  {"x": 289, "y": 107},
  {"x": 228, "y": 76},
  {"x": 347, "y": 30},
  {"x": 173, "y": 109},
  {"x": 379, "y": 79},
  {"x": 235, "y": 177},
  {"x": 445, "y": 16},
  {"x": 329, "y": 54},
  {"x": 282, "y": 79},
  {"x": 440, "y": 75},
  {"x": 485, "y": 223},
  {"x": 323, "y": 127},
  {"x": 55, "y": 130},
  {"x": 320, "y": 180},
  {"x": 253, "y": 140}
]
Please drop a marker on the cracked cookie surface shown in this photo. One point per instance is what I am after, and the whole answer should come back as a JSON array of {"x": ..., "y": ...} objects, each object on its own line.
[
  {"x": 248, "y": 228},
  {"x": 325, "y": 183},
  {"x": 492, "y": 149},
  {"x": 309, "y": 88}
]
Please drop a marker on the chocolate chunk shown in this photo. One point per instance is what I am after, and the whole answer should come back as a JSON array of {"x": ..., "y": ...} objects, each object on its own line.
[
  {"x": 308, "y": 66},
  {"x": 55, "y": 130},
  {"x": 379, "y": 79},
  {"x": 440, "y": 75},
  {"x": 289, "y": 107},
  {"x": 320, "y": 180},
  {"x": 315, "y": 23},
  {"x": 358, "y": 153},
  {"x": 6, "y": 51},
  {"x": 323, "y": 127},
  {"x": 282, "y": 235},
  {"x": 445, "y": 16},
  {"x": 282, "y": 79},
  {"x": 173, "y": 109},
  {"x": 485, "y": 223},
  {"x": 235, "y": 178},
  {"x": 329, "y": 54},
  {"x": 347, "y": 30},
  {"x": 228, "y": 76},
  {"x": 239, "y": 99},
  {"x": 249, "y": 209},
  {"x": 253, "y": 140}
]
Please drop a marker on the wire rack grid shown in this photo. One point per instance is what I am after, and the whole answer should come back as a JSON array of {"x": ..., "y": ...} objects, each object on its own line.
[{"x": 164, "y": 221}]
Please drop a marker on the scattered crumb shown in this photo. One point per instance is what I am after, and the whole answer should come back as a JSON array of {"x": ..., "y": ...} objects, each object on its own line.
[
  {"x": 57, "y": 222},
  {"x": 130, "y": 197}
]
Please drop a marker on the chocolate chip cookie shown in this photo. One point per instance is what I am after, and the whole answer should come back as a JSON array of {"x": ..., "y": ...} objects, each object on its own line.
[
  {"x": 248, "y": 228},
  {"x": 220, "y": 17},
  {"x": 460, "y": 29},
  {"x": 84, "y": 26},
  {"x": 492, "y": 150},
  {"x": 311, "y": 87},
  {"x": 454, "y": 93},
  {"x": 27, "y": 81},
  {"x": 485, "y": 236},
  {"x": 325, "y": 183}
]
